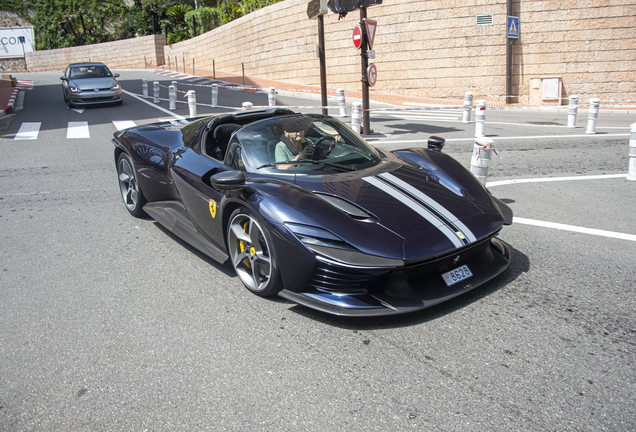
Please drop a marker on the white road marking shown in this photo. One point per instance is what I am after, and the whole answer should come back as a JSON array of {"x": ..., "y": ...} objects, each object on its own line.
[
  {"x": 553, "y": 179},
  {"x": 505, "y": 138},
  {"x": 573, "y": 228},
  {"x": 28, "y": 131},
  {"x": 78, "y": 110},
  {"x": 77, "y": 130},
  {"x": 153, "y": 105},
  {"x": 124, "y": 124},
  {"x": 565, "y": 227}
]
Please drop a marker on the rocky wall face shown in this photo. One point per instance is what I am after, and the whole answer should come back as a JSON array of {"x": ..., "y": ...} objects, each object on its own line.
[
  {"x": 12, "y": 65},
  {"x": 10, "y": 19}
]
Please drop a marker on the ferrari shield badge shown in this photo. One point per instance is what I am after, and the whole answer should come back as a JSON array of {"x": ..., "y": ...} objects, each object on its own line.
[{"x": 212, "y": 208}]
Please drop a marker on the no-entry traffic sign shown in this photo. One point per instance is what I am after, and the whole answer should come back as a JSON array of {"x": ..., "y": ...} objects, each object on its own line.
[{"x": 357, "y": 36}]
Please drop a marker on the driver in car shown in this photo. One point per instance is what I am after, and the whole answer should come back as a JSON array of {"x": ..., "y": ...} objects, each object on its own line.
[{"x": 293, "y": 146}]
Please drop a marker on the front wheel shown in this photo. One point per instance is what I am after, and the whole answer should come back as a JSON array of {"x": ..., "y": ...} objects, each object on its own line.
[
  {"x": 251, "y": 252},
  {"x": 131, "y": 193}
]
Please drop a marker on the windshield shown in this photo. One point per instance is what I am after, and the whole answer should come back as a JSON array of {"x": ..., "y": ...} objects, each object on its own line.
[
  {"x": 319, "y": 144},
  {"x": 91, "y": 71}
]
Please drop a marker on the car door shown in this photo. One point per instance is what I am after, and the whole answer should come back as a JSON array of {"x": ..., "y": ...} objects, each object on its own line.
[{"x": 191, "y": 171}]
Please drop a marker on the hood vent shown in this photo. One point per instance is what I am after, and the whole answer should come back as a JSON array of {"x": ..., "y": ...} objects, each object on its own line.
[{"x": 347, "y": 207}]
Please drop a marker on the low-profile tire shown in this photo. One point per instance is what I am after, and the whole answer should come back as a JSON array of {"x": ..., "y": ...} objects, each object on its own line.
[
  {"x": 131, "y": 193},
  {"x": 252, "y": 253}
]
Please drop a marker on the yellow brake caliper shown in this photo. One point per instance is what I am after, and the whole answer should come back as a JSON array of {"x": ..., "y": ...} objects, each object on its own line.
[{"x": 242, "y": 245}]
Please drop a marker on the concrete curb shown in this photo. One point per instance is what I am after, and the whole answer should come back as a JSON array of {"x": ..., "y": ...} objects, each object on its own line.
[{"x": 11, "y": 102}]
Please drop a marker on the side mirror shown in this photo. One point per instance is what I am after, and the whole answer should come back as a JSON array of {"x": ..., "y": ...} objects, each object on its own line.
[
  {"x": 227, "y": 180},
  {"x": 63, "y": 78},
  {"x": 436, "y": 143},
  {"x": 116, "y": 75}
]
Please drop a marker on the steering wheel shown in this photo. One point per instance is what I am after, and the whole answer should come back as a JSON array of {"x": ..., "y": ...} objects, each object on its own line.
[{"x": 323, "y": 146}]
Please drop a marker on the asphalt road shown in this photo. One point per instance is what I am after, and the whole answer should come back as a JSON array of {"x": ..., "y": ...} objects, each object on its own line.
[{"x": 111, "y": 323}]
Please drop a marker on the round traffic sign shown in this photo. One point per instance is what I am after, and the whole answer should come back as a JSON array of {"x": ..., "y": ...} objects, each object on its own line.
[
  {"x": 372, "y": 75},
  {"x": 357, "y": 36}
]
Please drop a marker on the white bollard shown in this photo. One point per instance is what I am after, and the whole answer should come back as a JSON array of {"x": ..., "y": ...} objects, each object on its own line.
[
  {"x": 480, "y": 161},
  {"x": 215, "y": 94},
  {"x": 176, "y": 87},
  {"x": 573, "y": 108},
  {"x": 631, "y": 175},
  {"x": 468, "y": 106},
  {"x": 155, "y": 91},
  {"x": 192, "y": 102},
  {"x": 592, "y": 115},
  {"x": 172, "y": 97},
  {"x": 341, "y": 102},
  {"x": 144, "y": 88},
  {"x": 480, "y": 118},
  {"x": 247, "y": 106},
  {"x": 356, "y": 117},
  {"x": 271, "y": 96}
]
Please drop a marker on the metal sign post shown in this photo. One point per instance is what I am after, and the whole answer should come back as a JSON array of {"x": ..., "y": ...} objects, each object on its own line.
[
  {"x": 512, "y": 33},
  {"x": 366, "y": 122},
  {"x": 317, "y": 9}
]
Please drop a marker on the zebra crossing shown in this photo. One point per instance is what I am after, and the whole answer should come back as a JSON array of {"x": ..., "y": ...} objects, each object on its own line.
[
  {"x": 74, "y": 130},
  {"x": 196, "y": 80}
]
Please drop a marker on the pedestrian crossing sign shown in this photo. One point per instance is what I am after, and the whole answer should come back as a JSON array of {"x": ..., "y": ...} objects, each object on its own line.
[{"x": 513, "y": 27}]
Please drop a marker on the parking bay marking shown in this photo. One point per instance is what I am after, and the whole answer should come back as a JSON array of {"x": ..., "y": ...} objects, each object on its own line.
[
  {"x": 560, "y": 226},
  {"x": 573, "y": 228}
]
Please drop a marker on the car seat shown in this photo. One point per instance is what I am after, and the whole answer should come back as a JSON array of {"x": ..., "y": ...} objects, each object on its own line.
[{"x": 221, "y": 138}]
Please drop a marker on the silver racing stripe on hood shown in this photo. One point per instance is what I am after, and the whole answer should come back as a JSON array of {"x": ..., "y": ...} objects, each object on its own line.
[
  {"x": 450, "y": 218},
  {"x": 425, "y": 206}
]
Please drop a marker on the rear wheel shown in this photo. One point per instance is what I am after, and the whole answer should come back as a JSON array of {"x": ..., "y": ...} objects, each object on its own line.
[
  {"x": 251, "y": 252},
  {"x": 131, "y": 193}
]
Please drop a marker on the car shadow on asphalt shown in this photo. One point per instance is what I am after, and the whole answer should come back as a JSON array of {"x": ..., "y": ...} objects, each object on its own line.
[
  {"x": 519, "y": 264},
  {"x": 226, "y": 269},
  {"x": 411, "y": 128}
]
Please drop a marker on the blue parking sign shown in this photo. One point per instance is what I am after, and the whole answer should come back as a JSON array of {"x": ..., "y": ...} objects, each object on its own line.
[{"x": 513, "y": 27}]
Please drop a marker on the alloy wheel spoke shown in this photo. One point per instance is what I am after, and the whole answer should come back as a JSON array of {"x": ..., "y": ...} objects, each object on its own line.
[
  {"x": 238, "y": 259},
  {"x": 256, "y": 276},
  {"x": 262, "y": 258},
  {"x": 237, "y": 230},
  {"x": 134, "y": 195}
]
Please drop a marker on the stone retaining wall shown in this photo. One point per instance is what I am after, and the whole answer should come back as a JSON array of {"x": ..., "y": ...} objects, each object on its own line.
[
  {"x": 146, "y": 51},
  {"x": 427, "y": 48},
  {"x": 434, "y": 48}
]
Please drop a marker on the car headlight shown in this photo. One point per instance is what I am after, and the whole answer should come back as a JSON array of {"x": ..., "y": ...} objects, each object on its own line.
[
  {"x": 74, "y": 89},
  {"x": 115, "y": 86}
]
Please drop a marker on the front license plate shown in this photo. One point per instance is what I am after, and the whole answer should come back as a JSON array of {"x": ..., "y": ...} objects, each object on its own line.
[{"x": 457, "y": 275}]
